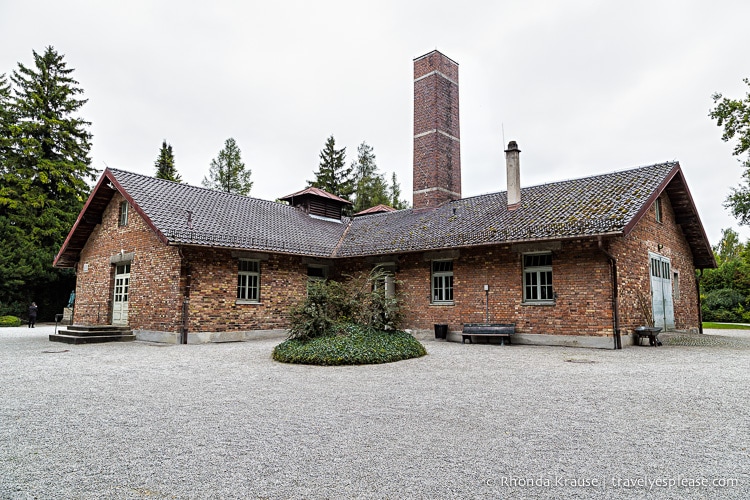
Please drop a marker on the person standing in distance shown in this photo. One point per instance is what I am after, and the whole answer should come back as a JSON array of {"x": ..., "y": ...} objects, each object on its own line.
[{"x": 32, "y": 314}]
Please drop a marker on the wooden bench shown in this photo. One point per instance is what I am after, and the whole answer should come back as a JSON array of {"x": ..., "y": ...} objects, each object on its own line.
[
  {"x": 648, "y": 331},
  {"x": 502, "y": 330}
]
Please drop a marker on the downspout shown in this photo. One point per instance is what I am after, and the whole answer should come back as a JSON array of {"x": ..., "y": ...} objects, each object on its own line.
[
  {"x": 185, "y": 297},
  {"x": 615, "y": 311},
  {"x": 700, "y": 306}
]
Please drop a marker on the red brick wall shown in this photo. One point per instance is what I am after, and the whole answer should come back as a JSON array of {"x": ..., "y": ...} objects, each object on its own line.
[
  {"x": 213, "y": 293},
  {"x": 633, "y": 268},
  {"x": 580, "y": 278},
  {"x": 154, "y": 275},
  {"x": 437, "y": 158}
]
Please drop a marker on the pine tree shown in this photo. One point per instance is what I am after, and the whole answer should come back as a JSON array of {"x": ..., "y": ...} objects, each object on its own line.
[
  {"x": 333, "y": 176},
  {"x": 395, "y": 195},
  {"x": 164, "y": 164},
  {"x": 371, "y": 189},
  {"x": 227, "y": 172},
  {"x": 7, "y": 120},
  {"x": 44, "y": 182}
]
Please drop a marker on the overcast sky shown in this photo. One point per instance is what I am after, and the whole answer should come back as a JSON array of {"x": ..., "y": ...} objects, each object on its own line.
[{"x": 584, "y": 87}]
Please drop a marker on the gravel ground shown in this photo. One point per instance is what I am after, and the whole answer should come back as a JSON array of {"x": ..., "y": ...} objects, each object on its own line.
[{"x": 141, "y": 420}]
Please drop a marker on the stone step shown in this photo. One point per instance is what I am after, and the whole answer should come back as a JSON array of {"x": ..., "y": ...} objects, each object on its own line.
[
  {"x": 114, "y": 329},
  {"x": 90, "y": 339}
]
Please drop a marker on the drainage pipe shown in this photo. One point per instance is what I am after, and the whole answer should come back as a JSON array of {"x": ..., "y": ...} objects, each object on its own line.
[
  {"x": 185, "y": 297},
  {"x": 615, "y": 312},
  {"x": 698, "y": 293}
]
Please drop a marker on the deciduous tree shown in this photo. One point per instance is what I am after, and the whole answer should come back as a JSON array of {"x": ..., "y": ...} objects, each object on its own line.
[{"x": 734, "y": 116}]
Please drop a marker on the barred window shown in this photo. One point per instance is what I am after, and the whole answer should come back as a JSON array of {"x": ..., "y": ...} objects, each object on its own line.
[
  {"x": 248, "y": 281},
  {"x": 442, "y": 281},
  {"x": 537, "y": 278}
]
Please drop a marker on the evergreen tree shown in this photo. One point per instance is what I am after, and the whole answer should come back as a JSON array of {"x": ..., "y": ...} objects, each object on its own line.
[
  {"x": 7, "y": 120},
  {"x": 370, "y": 187},
  {"x": 333, "y": 176},
  {"x": 227, "y": 172},
  {"x": 45, "y": 179},
  {"x": 395, "y": 194},
  {"x": 164, "y": 164}
]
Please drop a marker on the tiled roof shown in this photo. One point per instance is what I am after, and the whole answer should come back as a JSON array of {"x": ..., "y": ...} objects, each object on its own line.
[
  {"x": 187, "y": 214},
  {"x": 608, "y": 204},
  {"x": 376, "y": 210},
  {"x": 316, "y": 192},
  {"x": 598, "y": 205}
]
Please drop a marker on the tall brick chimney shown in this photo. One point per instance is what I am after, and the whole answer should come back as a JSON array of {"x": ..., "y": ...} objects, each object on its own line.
[{"x": 437, "y": 147}]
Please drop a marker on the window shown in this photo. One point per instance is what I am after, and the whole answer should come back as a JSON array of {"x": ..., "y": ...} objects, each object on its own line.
[
  {"x": 657, "y": 209},
  {"x": 316, "y": 273},
  {"x": 123, "y": 213},
  {"x": 248, "y": 281},
  {"x": 676, "y": 285},
  {"x": 442, "y": 281},
  {"x": 537, "y": 278}
]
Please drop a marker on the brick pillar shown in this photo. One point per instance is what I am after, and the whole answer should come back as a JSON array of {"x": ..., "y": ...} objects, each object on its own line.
[{"x": 437, "y": 155}]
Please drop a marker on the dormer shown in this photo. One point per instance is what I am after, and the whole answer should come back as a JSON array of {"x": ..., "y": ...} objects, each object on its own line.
[{"x": 317, "y": 203}]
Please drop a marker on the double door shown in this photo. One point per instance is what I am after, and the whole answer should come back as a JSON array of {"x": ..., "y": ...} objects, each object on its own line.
[{"x": 661, "y": 291}]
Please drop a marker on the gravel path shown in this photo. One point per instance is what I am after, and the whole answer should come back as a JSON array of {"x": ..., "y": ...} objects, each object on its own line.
[{"x": 140, "y": 420}]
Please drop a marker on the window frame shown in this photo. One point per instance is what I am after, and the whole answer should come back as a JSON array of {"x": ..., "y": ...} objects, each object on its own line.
[
  {"x": 446, "y": 278},
  {"x": 247, "y": 287},
  {"x": 538, "y": 271},
  {"x": 658, "y": 210},
  {"x": 122, "y": 218}
]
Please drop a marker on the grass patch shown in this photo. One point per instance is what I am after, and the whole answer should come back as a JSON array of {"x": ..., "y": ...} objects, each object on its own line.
[
  {"x": 725, "y": 326},
  {"x": 356, "y": 345},
  {"x": 9, "y": 321}
]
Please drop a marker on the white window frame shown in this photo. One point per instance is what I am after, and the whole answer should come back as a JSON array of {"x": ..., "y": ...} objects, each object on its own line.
[
  {"x": 248, "y": 281},
  {"x": 443, "y": 292},
  {"x": 539, "y": 274}
]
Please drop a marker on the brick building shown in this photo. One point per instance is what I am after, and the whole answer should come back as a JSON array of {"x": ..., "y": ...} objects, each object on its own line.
[{"x": 570, "y": 263}]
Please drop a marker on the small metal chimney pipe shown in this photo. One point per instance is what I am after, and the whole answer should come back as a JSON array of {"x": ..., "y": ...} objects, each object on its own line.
[{"x": 513, "y": 168}]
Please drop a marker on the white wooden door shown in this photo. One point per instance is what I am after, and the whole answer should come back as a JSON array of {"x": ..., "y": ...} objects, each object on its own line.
[
  {"x": 122, "y": 293},
  {"x": 661, "y": 291}
]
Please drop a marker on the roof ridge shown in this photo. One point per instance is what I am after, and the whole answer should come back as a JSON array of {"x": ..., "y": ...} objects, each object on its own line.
[
  {"x": 670, "y": 164},
  {"x": 192, "y": 186}
]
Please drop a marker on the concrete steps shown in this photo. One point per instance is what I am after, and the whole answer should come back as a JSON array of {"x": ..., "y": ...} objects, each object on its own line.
[{"x": 89, "y": 334}]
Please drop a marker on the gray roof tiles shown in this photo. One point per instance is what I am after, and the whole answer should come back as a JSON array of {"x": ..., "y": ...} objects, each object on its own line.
[
  {"x": 601, "y": 204},
  {"x": 187, "y": 214}
]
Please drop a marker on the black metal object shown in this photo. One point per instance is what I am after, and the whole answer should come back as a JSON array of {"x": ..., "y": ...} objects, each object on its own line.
[
  {"x": 651, "y": 332},
  {"x": 441, "y": 331},
  {"x": 502, "y": 330}
]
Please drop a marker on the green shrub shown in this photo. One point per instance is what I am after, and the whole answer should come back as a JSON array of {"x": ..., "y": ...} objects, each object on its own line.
[
  {"x": 724, "y": 306},
  {"x": 353, "y": 345},
  {"x": 9, "y": 321},
  {"x": 330, "y": 305}
]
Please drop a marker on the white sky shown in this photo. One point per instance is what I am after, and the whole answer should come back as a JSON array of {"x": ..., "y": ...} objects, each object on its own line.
[{"x": 584, "y": 87}]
